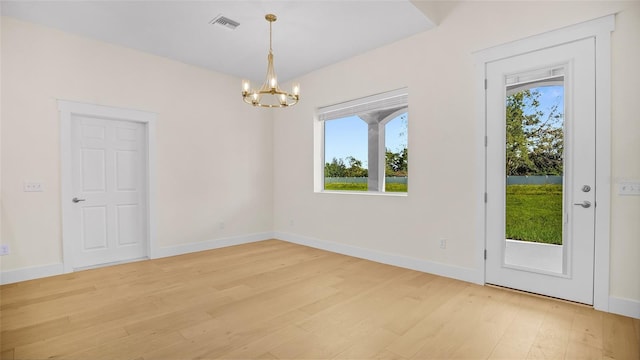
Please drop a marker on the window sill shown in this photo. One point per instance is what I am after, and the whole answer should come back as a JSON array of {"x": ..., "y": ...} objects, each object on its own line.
[{"x": 365, "y": 193}]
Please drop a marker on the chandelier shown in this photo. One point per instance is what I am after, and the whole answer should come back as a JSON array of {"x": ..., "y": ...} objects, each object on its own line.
[{"x": 270, "y": 95}]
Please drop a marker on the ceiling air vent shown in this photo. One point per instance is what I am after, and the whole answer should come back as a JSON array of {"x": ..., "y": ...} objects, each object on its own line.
[{"x": 224, "y": 21}]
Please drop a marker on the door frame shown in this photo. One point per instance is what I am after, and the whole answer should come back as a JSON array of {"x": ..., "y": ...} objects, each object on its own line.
[
  {"x": 68, "y": 108},
  {"x": 600, "y": 30}
]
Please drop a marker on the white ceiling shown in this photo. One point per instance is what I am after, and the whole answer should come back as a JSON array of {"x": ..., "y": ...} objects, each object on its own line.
[{"x": 307, "y": 35}]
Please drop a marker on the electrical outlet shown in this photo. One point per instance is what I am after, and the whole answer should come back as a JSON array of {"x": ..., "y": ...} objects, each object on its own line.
[
  {"x": 4, "y": 249},
  {"x": 30, "y": 186},
  {"x": 221, "y": 225},
  {"x": 443, "y": 243}
]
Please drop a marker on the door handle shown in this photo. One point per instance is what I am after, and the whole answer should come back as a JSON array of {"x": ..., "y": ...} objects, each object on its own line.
[
  {"x": 585, "y": 204},
  {"x": 76, "y": 200}
]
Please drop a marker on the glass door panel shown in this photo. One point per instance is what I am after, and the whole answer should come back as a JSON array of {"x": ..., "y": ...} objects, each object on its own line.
[{"x": 534, "y": 168}]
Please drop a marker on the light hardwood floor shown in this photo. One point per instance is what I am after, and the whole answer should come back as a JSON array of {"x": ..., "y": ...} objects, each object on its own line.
[{"x": 273, "y": 299}]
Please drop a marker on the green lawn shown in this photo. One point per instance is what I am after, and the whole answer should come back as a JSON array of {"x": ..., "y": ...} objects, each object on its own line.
[
  {"x": 389, "y": 187},
  {"x": 534, "y": 213}
]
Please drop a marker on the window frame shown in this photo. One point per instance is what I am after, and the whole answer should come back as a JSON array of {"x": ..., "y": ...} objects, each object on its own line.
[{"x": 397, "y": 99}]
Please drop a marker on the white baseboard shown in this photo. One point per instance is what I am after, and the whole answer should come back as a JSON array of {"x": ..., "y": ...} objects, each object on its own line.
[
  {"x": 36, "y": 272},
  {"x": 626, "y": 307},
  {"x": 30, "y": 273},
  {"x": 455, "y": 272},
  {"x": 617, "y": 305},
  {"x": 209, "y": 245}
]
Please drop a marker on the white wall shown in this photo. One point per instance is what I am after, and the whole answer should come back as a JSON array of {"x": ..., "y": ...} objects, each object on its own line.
[
  {"x": 438, "y": 68},
  {"x": 625, "y": 214},
  {"x": 220, "y": 160},
  {"x": 1, "y": 20},
  {"x": 214, "y": 153}
]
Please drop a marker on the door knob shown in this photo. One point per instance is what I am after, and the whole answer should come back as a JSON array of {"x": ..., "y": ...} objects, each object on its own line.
[
  {"x": 76, "y": 200},
  {"x": 585, "y": 204}
]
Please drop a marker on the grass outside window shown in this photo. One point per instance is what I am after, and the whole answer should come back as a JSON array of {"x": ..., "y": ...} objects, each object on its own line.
[{"x": 388, "y": 187}]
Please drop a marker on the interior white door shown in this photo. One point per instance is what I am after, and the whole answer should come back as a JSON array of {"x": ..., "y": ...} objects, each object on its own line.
[
  {"x": 573, "y": 64},
  {"x": 108, "y": 216}
]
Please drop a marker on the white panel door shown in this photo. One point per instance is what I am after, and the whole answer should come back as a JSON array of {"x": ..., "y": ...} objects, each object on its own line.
[
  {"x": 109, "y": 195},
  {"x": 571, "y": 278}
]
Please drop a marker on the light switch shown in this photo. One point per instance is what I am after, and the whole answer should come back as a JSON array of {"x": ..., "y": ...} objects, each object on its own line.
[
  {"x": 629, "y": 188},
  {"x": 30, "y": 186}
]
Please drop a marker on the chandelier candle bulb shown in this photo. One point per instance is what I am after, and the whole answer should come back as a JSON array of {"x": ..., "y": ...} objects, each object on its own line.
[{"x": 246, "y": 85}]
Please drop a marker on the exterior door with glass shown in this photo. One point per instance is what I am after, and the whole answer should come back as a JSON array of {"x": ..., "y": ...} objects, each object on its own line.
[{"x": 540, "y": 167}]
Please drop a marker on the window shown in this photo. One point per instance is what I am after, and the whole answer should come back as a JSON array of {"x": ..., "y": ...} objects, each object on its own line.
[{"x": 364, "y": 144}]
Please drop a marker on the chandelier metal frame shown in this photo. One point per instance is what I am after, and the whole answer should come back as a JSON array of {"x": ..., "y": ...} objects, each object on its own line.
[{"x": 270, "y": 95}]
